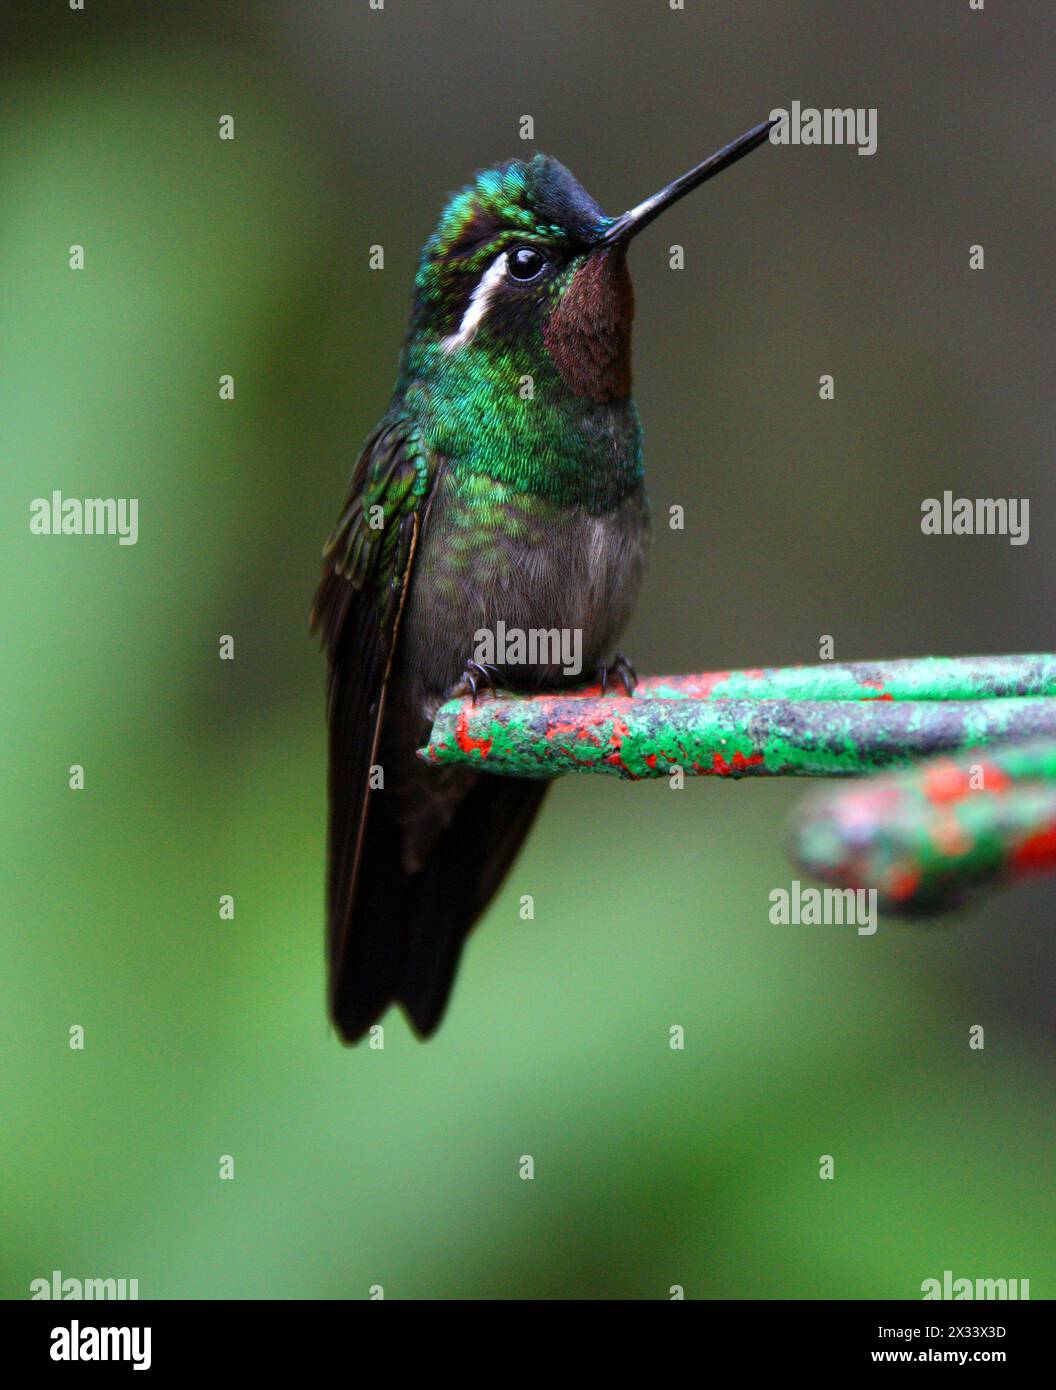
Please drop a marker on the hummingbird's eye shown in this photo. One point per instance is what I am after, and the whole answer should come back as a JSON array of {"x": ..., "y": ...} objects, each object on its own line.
[{"x": 525, "y": 263}]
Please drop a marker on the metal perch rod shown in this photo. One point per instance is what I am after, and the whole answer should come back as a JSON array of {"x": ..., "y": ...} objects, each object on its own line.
[
  {"x": 924, "y": 836},
  {"x": 812, "y": 721}
]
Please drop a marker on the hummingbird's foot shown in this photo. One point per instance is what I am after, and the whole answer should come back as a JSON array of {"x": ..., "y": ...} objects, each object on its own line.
[
  {"x": 477, "y": 676},
  {"x": 621, "y": 671}
]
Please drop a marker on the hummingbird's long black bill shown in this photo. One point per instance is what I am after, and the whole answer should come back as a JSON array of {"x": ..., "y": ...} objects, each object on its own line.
[{"x": 630, "y": 223}]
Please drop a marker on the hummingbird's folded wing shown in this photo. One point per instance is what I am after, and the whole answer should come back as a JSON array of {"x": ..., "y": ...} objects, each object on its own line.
[{"x": 358, "y": 606}]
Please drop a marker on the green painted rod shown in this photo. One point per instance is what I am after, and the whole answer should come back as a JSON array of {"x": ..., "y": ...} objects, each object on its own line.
[
  {"x": 916, "y": 678},
  {"x": 647, "y": 736},
  {"x": 925, "y": 836}
]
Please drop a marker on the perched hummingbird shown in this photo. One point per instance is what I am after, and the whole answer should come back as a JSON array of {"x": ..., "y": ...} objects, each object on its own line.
[{"x": 503, "y": 484}]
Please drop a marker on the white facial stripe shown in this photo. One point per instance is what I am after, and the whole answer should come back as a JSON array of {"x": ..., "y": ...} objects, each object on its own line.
[{"x": 478, "y": 304}]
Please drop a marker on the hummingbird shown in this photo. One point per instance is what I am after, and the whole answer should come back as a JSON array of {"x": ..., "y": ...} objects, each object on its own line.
[{"x": 503, "y": 485}]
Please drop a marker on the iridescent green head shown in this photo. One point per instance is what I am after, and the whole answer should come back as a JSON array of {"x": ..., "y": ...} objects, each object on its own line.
[{"x": 524, "y": 265}]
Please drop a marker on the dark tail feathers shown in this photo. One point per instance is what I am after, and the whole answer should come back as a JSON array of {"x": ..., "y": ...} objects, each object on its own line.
[{"x": 405, "y": 936}]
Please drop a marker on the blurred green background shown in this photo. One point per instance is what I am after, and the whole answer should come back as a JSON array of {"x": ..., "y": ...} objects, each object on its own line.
[{"x": 653, "y": 1167}]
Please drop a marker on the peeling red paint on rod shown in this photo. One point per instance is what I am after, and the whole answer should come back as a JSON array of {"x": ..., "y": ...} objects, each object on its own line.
[
  {"x": 465, "y": 740},
  {"x": 648, "y": 736}
]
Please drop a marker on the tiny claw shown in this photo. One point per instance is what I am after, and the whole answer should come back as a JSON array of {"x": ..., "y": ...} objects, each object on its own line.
[
  {"x": 476, "y": 674},
  {"x": 621, "y": 670}
]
